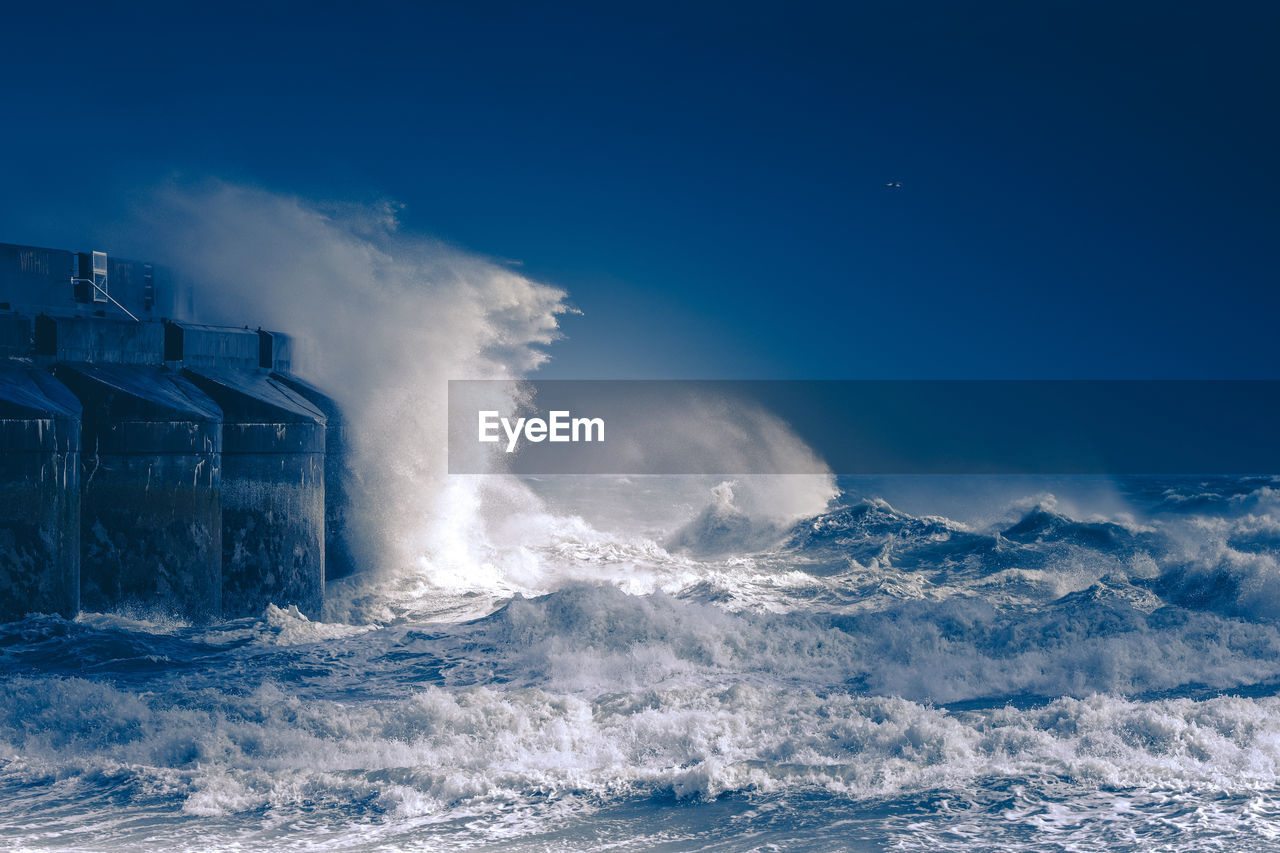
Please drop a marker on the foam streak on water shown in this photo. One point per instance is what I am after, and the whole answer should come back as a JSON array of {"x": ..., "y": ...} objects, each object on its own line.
[
  {"x": 766, "y": 662},
  {"x": 871, "y": 679}
]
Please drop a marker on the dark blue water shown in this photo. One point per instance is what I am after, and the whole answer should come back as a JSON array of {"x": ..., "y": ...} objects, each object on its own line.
[{"x": 1018, "y": 671}]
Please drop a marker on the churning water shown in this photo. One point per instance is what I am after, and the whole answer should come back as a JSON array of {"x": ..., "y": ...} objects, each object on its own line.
[{"x": 602, "y": 663}]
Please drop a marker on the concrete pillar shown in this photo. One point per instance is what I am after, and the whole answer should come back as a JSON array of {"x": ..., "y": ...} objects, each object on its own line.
[
  {"x": 338, "y": 559},
  {"x": 151, "y": 515},
  {"x": 272, "y": 492},
  {"x": 39, "y": 494},
  {"x": 210, "y": 347},
  {"x": 97, "y": 339},
  {"x": 15, "y": 335}
]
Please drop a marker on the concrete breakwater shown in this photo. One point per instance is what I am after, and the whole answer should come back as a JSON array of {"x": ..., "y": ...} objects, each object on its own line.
[{"x": 155, "y": 466}]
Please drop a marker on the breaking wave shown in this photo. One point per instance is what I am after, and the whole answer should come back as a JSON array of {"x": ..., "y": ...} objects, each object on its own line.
[
  {"x": 870, "y": 678},
  {"x": 577, "y": 663}
]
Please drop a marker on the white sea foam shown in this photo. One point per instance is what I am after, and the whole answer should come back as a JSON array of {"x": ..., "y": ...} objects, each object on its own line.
[
  {"x": 744, "y": 681},
  {"x": 439, "y": 753},
  {"x": 1022, "y": 661},
  {"x": 382, "y": 320}
]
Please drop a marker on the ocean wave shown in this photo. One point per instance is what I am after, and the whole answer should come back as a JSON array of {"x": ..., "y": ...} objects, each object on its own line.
[
  {"x": 437, "y": 753},
  {"x": 1050, "y": 672}
]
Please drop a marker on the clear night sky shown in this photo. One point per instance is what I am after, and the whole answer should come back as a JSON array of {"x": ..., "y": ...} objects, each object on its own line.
[{"x": 1087, "y": 189}]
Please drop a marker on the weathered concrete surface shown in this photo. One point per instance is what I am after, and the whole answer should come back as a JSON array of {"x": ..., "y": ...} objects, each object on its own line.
[
  {"x": 211, "y": 347},
  {"x": 39, "y": 494},
  {"x": 98, "y": 339},
  {"x": 151, "y": 529},
  {"x": 35, "y": 280},
  {"x": 275, "y": 351},
  {"x": 338, "y": 559},
  {"x": 272, "y": 492},
  {"x": 15, "y": 335}
]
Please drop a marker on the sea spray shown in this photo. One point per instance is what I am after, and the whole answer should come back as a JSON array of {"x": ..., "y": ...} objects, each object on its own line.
[{"x": 382, "y": 320}]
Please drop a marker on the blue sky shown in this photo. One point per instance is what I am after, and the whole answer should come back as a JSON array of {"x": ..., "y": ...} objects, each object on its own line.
[{"x": 1087, "y": 189}]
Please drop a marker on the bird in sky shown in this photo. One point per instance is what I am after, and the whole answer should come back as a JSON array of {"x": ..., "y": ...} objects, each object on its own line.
[{"x": 894, "y": 185}]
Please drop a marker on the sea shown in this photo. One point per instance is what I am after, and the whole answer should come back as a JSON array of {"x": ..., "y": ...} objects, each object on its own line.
[
  {"x": 945, "y": 663},
  {"x": 759, "y": 662}
]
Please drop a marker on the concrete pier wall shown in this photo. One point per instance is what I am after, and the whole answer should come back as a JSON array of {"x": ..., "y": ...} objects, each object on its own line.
[
  {"x": 15, "y": 335},
  {"x": 272, "y": 493},
  {"x": 275, "y": 352},
  {"x": 338, "y": 558},
  {"x": 152, "y": 465},
  {"x": 39, "y": 494},
  {"x": 151, "y": 514},
  {"x": 97, "y": 339},
  {"x": 212, "y": 347},
  {"x": 35, "y": 279}
]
